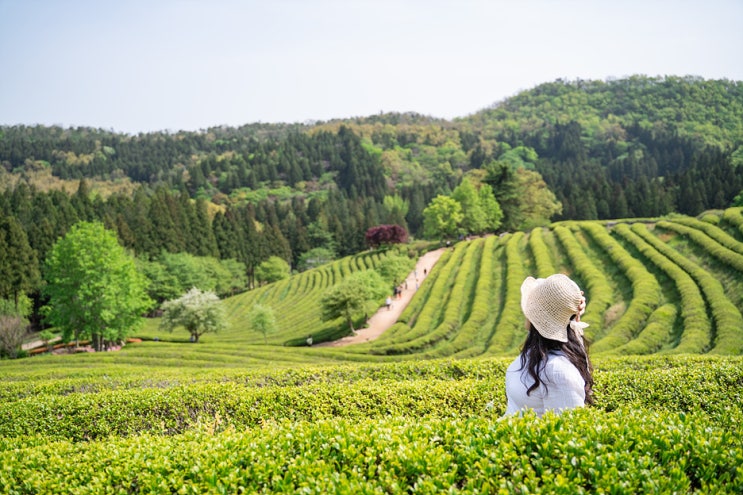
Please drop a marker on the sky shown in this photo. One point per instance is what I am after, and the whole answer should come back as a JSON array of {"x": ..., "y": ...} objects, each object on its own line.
[{"x": 167, "y": 65}]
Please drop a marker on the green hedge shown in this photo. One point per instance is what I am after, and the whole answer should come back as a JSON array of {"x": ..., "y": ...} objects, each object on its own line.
[
  {"x": 541, "y": 254},
  {"x": 717, "y": 250},
  {"x": 646, "y": 291},
  {"x": 582, "y": 451},
  {"x": 734, "y": 216},
  {"x": 696, "y": 336},
  {"x": 727, "y": 317},
  {"x": 713, "y": 231},
  {"x": 438, "y": 389},
  {"x": 599, "y": 295},
  {"x": 509, "y": 330}
]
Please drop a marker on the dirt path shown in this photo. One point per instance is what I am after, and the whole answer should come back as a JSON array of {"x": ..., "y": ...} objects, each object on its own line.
[{"x": 385, "y": 318}]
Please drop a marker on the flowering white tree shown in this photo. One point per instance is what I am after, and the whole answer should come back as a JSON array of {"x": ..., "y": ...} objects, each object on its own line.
[{"x": 198, "y": 312}]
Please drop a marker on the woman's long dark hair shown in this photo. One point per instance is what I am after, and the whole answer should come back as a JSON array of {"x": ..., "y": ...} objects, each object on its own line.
[{"x": 534, "y": 357}]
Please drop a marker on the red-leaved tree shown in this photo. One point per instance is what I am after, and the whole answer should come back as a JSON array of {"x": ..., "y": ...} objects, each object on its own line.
[{"x": 385, "y": 234}]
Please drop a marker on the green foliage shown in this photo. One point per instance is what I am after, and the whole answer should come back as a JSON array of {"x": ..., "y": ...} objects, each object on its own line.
[
  {"x": 21, "y": 308},
  {"x": 19, "y": 267},
  {"x": 541, "y": 254},
  {"x": 396, "y": 208},
  {"x": 93, "y": 286},
  {"x": 734, "y": 216},
  {"x": 666, "y": 424},
  {"x": 523, "y": 195},
  {"x": 538, "y": 202},
  {"x": 581, "y": 452},
  {"x": 478, "y": 211},
  {"x": 474, "y": 216},
  {"x": 443, "y": 311},
  {"x": 394, "y": 268},
  {"x": 359, "y": 293},
  {"x": 563, "y": 150},
  {"x": 314, "y": 257},
  {"x": 646, "y": 290},
  {"x": 728, "y": 319},
  {"x": 697, "y": 336},
  {"x": 511, "y": 319},
  {"x": 595, "y": 281},
  {"x": 442, "y": 218},
  {"x": 272, "y": 270},
  {"x": 493, "y": 211},
  {"x": 197, "y": 311},
  {"x": 262, "y": 320},
  {"x": 173, "y": 274}
]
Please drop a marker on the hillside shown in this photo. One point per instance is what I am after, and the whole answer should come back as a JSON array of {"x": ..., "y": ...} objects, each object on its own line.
[
  {"x": 654, "y": 286},
  {"x": 662, "y": 285},
  {"x": 419, "y": 409},
  {"x": 603, "y": 147},
  {"x": 639, "y": 147},
  {"x": 635, "y": 147}
]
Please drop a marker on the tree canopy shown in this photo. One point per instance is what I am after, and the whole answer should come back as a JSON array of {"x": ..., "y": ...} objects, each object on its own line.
[
  {"x": 358, "y": 294},
  {"x": 443, "y": 217},
  {"x": 272, "y": 270},
  {"x": 94, "y": 289},
  {"x": 197, "y": 311}
]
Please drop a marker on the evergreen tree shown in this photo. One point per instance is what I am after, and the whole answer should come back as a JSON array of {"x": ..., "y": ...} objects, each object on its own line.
[
  {"x": 82, "y": 203},
  {"x": 201, "y": 230},
  {"x": 19, "y": 268}
]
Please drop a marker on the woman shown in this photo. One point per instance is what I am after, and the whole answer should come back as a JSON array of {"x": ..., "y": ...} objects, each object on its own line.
[{"x": 553, "y": 372}]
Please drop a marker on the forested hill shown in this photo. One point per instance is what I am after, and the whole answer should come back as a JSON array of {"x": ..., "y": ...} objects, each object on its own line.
[{"x": 633, "y": 147}]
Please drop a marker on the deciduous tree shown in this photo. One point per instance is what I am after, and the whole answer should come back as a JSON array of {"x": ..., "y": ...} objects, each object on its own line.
[
  {"x": 356, "y": 295},
  {"x": 394, "y": 268},
  {"x": 262, "y": 319},
  {"x": 198, "y": 312},
  {"x": 383, "y": 235},
  {"x": 442, "y": 217},
  {"x": 93, "y": 286},
  {"x": 272, "y": 270}
]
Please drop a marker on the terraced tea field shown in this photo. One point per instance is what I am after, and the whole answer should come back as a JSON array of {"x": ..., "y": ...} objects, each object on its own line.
[{"x": 419, "y": 409}]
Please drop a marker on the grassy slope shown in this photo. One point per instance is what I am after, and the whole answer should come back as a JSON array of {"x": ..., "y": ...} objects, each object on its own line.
[{"x": 467, "y": 308}]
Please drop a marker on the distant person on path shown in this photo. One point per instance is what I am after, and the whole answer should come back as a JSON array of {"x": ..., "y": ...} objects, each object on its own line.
[
  {"x": 388, "y": 302},
  {"x": 553, "y": 371}
]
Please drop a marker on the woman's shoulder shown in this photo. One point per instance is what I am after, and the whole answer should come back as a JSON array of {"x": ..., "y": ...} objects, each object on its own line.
[
  {"x": 515, "y": 364},
  {"x": 558, "y": 365}
]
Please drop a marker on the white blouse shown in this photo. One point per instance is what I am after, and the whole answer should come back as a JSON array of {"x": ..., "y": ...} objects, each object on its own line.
[{"x": 564, "y": 390}]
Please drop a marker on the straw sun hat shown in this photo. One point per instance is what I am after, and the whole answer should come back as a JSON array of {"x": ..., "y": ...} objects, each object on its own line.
[{"x": 548, "y": 303}]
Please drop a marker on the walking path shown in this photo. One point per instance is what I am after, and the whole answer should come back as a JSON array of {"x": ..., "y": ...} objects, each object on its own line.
[{"x": 385, "y": 318}]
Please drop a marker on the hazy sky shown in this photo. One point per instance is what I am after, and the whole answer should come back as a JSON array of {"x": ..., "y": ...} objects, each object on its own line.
[{"x": 145, "y": 65}]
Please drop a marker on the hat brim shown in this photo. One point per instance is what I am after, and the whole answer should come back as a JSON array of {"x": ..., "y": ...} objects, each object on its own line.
[{"x": 527, "y": 287}]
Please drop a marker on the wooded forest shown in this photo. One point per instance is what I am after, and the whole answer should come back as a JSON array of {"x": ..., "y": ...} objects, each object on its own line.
[{"x": 634, "y": 147}]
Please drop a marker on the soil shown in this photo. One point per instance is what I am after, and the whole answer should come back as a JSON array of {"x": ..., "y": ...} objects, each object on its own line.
[{"x": 384, "y": 318}]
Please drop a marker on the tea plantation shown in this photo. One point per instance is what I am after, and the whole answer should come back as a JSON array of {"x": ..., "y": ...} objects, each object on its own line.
[{"x": 419, "y": 409}]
